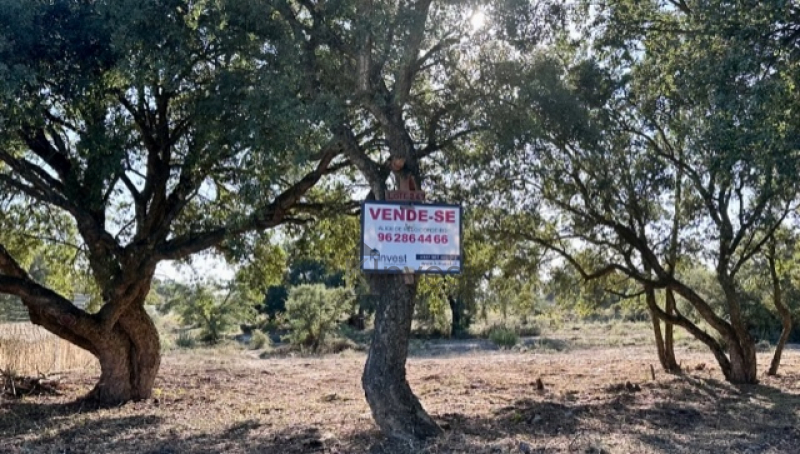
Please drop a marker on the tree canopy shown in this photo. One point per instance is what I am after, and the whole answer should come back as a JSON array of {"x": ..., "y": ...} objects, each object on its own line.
[
  {"x": 153, "y": 139},
  {"x": 633, "y": 142},
  {"x": 666, "y": 135}
]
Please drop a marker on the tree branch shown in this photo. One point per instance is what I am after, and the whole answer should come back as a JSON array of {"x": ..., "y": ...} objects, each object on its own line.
[
  {"x": 406, "y": 73},
  {"x": 272, "y": 215},
  {"x": 45, "y": 306}
]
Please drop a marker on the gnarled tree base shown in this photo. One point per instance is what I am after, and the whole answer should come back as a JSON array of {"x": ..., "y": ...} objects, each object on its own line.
[
  {"x": 129, "y": 354},
  {"x": 743, "y": 368},
  {"x": 129, "y": 360}
]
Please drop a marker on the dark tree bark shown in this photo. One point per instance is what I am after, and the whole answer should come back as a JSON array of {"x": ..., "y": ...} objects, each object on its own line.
[
  {"x": 144, "y": 351},
  {"x": 650, "y": 295},
  {"x": 741, "y": 345},
  {"x": 664, "y": 347},
  {"x": 129, "y": 354},
  {"x": 678, "y": 319},
  {"x": 743, "y": 366},
  {"x": 394, "y": 406},
  {"x": 786, "y": 331},
  {"x": 358, "y": 320},
  {"x": 783, "y": 311},
  {"x": 671, "y": 364},
  {"x": 459, "y": 322}
]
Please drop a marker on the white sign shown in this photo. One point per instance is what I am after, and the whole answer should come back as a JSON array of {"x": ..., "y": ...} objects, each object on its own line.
[{"x": 403, "y": 238}]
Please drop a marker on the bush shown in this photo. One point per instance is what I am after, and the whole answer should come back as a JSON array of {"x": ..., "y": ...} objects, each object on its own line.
[
  {"x": 259, "y": 340},
  {"x": 355, "y": 335},
  {"x": 186, "y": 340},
  {"x": 214, "y": 309},
  {"x": 503, "y": 336},
  {"x": 313, "y": 312},
  {"x": 338, "y": 345},
  {"x": 272, "y": 323},
  {"x": 166, "y": 342},
  {"x": 529, "y": 329}
]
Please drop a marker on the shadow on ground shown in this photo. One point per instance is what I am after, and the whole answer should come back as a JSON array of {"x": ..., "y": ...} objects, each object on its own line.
[{"x": 684, "y": 415}]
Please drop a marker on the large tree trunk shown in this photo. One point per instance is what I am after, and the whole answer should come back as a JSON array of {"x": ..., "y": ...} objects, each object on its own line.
[
  {"x": 740, "y": 364},
  {"x": 129, "y": 354},
  {"x": 741, "y": 345},
  {"x": 394, "y": 406},
  {"x": 129, "y": 359},
  {"x": 743, "y": 364}
]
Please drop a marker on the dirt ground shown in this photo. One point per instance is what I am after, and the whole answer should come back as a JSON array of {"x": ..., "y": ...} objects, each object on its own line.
[{"x": 210, "y": 401}]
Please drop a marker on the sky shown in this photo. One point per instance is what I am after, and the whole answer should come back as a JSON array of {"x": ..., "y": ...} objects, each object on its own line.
[{"x": 203, "y": 266}]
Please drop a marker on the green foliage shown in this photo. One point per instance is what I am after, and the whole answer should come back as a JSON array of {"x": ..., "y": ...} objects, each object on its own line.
[
  {"x": 500, "y": 276},
  {"x": 328, "y": 254},
  {"x": 332, "y": 243},
  {"x": 213, "y": 308},
  {"x": 275, "y": 300},
  {"x": 259, "y": 340},
  {"x": 432, "y": 311},
  {"x": 271, "y": 323},
  {"x": 759, "y": 288},
  {"x": 131, "y": 125},
  {"x": 528, "y": 329},
  {"x": 314, "y": 312},
  {"x": 503, "y": 336},
  {"x": 264, "y": 267},
  {"x": 763, "y": 346},
  {"x": 590, "y": 299},
  {"x": 52, "y": 258},
  {"x": 302, "y": 271},
  {"x": 658, "y": 140}
]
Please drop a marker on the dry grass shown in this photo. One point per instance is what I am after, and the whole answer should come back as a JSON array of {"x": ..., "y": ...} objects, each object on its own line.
[
  {"x": 27, "y": 349},
  {"x": 208, "y": 401}
]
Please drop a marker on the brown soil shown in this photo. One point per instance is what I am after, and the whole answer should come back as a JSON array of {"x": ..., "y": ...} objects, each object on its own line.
[{"x": 593, "y": 401}]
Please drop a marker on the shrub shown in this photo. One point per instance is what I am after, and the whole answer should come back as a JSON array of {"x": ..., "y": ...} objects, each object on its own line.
[
  {"x": 503, "y": 336},
  {"x": 213, "y": 308},
  {"x": 529, "y": 329},
  {"x": 186, "y": 340},
  {"x": 313, "y": 312},
  {"x": 165, "y": 342},
  {"x": 548, "y": 344},
  {"x": 271, "y": 323},
  {"x": 355, "y": 335},
  {"x": 259, "y": 340},
  {"x": 338, "y": 345}
]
